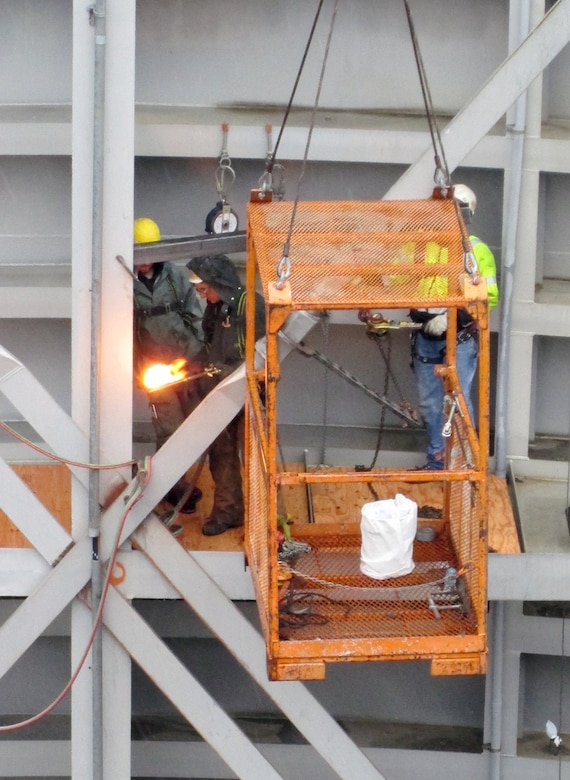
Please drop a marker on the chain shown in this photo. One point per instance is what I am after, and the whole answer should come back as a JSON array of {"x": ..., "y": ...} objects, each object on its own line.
[
  {"x": 387, "y": 362},
  {"x": 423, "y": 589}
]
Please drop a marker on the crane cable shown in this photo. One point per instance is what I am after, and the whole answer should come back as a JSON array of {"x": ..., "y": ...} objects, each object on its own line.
[
  {"x": 284, "y": 265},
  {"x": 270, "y": 161},
  {"x": 442, "y": 177}
]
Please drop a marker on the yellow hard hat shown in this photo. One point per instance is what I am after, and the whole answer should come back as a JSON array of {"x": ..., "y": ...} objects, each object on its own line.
[{"x": 146, "y": 231}]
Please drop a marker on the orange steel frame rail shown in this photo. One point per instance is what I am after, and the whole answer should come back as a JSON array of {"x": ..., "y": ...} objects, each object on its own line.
[{"x": 351, "y": 256}]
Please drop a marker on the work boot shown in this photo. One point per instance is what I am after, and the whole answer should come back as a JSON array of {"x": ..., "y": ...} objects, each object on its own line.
[
  {"x": 218, "y": 524},
  {"x": 176, "y": 493}
]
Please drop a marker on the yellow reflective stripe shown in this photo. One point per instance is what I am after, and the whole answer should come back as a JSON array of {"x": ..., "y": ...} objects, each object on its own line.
[{"x": 434, "y": 286}]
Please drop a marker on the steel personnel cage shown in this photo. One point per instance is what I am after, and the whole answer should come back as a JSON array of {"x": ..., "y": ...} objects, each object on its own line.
[{"x": 317, "y": 607}]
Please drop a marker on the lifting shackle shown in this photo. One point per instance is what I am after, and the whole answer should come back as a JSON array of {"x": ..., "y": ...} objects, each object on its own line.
[
  {"x": 273, "y": 177},
  {"x": 225, "y": 174}
]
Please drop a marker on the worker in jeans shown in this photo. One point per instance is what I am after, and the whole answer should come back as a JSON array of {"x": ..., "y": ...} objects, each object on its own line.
[{"x": 428, "y": 344}]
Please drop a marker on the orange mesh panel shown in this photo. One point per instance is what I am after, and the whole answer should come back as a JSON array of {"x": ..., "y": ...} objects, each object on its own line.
[
  {"x": 466, "y": 521},
  {"x": 258, "y": 523},
  {"x": 362, "y": 253}
]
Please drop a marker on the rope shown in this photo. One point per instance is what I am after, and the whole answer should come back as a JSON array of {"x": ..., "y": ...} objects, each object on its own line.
[
  {"x": 325, "y": 326},
  {"x": 287, "y": 245},
  {"x": 387, "y": 358}
]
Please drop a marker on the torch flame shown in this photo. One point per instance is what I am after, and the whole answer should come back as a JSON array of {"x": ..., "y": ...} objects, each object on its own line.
[{"x": 162, "y": 375}]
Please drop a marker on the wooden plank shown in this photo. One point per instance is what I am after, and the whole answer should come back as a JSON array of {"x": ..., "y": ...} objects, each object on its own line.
[
  {"x": 341, "y": 503},
  {"x": 51, "y": 484},
  {"x": 191, "y": 537},
  {"x": 503, "y": 533}
]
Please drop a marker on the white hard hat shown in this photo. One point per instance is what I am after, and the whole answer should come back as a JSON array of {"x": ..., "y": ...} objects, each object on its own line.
[{"x": 465, "y": 196}]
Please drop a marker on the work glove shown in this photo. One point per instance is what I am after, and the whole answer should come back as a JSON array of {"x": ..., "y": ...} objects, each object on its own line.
[{"x": 437, "y": 325}]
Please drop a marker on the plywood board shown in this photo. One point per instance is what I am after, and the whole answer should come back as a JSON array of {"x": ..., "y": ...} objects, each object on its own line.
[
  {"x": 340, "y": 503},
  {"x": 51, "y": 484},
  {"x": 503, "y": 533}
]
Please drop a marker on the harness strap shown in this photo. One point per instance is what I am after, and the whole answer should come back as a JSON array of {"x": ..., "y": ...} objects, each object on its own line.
[
  {"x": 157, "y": 311},
  {"x": 468, "y": 332},
  {"x": 241, "y": 323}
]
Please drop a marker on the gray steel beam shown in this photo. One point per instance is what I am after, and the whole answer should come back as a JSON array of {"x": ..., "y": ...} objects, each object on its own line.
[
  {"x": 63, "y": 582},
  {"x": 529, "y": 577},
  {"x": 48, "y": 600},
  {"x": 178, "y": 249},
  {"x": 185, "y": 692},
  {"x": 31, "y": 517},
  {"x": 246, "y": 644}
]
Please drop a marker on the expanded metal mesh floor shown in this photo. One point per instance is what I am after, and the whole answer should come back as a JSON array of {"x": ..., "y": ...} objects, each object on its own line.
[{"x": 329, "y": 598}]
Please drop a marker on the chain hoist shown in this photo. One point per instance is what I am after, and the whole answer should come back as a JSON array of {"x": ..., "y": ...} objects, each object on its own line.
[
  {"x": 378, "y": 329},
  {"x": 222, "y": 218}
]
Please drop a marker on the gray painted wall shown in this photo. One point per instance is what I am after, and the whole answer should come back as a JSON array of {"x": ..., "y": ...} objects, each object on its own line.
[{"x": 220, "y": 54}]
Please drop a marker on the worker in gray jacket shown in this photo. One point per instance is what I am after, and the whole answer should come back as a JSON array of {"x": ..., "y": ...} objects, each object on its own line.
[
  {"x": 167, "y": 327},
  {"x": 224, "y": 324}
]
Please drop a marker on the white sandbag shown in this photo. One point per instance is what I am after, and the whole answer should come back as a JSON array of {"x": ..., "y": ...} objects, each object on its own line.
[{"x": 388, "y": 529}]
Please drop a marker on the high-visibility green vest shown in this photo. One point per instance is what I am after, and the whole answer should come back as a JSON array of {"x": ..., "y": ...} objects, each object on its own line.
[
  {"x": 437, "y": 286},
  {"x": 431, "y": 286},
  {"x": 434, "y": 286},
  {"x": 487, "y": 268}
]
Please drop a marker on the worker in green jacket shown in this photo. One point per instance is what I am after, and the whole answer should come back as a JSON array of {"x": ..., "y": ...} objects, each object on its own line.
[{"x": 167, "y": 328}]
